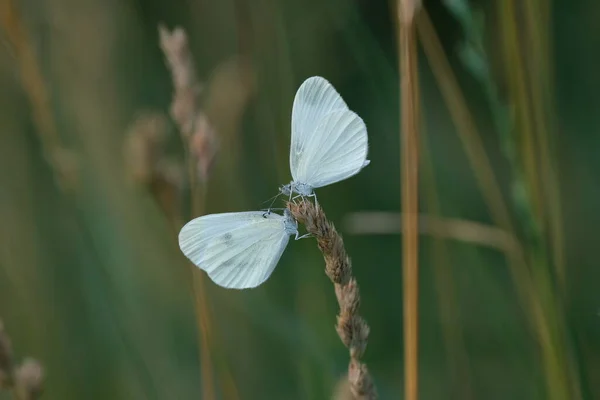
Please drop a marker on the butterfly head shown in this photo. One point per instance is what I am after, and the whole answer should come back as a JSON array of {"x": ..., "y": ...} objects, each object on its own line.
[{"x": 286, "y": 190}]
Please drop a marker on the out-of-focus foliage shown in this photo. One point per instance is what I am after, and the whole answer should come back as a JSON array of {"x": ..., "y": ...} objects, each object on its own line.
[{"x": 92, "y": 282}]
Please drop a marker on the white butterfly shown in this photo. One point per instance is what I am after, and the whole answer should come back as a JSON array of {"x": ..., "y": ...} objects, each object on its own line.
[
  {"x": 238, "y": 250},
  {"x": 329, "y": 142}
]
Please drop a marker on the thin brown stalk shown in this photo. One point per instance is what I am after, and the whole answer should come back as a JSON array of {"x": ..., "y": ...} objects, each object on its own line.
[
  {"x": 477, "y": 233},
  {"x": 466, "y": 128},
  {"x": 528, "y": 287},
  {"x": 410, "y": 115},
  {"x": 522, "y": 56},
  {"x": 200, "y": 140},
  {"x": 62, "y": 161},
  {"x": 351, "y": 327},
  {"x": 476, "y": 154}
]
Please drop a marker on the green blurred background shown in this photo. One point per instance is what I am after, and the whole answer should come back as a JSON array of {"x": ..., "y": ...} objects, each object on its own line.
[{"x": 92, "y": 282}]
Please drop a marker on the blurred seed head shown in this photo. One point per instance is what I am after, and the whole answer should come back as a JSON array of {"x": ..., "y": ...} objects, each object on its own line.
[
  {"x": 148, "y": 164},
  {"x": 29, "y": 379},
  {"x": 145, "y": 145},
  {"x": 231, "y": 85},
  {"x": 187, "y": 88},
  {"x": 185, "y": 109},
  {"x": 342, "y": 390}
]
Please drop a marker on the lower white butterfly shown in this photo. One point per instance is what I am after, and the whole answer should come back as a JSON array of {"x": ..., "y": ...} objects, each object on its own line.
[
  {"x": 329, "y": 142},
  {"x": 238, "y": 250}
]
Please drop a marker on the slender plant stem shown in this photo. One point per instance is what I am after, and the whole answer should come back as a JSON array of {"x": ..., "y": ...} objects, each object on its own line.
[
  {"x": 410, "y": 114},
  {"x": 198, "y": 137},
  {"x": 351, "y": 327},
  {"x": 197, "y": 197}
]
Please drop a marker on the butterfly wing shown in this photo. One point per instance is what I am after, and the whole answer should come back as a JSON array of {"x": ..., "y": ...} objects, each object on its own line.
[
  {"x": 336, "y": 150},
  {"x": 315, "y": 98},
  {"x": 237, "y": 250}
]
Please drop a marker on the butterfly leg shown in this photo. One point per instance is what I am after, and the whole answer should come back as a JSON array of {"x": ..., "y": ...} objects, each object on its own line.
[
  {"x": 314, "y": 195},
  {"x": 306, "y": 235}
]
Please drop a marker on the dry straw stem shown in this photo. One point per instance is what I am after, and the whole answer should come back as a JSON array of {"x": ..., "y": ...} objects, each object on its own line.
[
  {"x": 527, "y": 80},
  {"x": 410, "y": 115},
  {"x": 351, "y": 327},
  {"x": 200, "y": 140},
  {"x": 63, "y": 161},
  {"x": 541, "y": 319},
  {"x": 477, "y": 233},
  {"x": 473, "y": 145},
  {"x": 465, "y": 125}
]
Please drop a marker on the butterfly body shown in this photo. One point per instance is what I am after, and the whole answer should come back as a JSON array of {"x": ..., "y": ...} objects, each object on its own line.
[{"x": 302, "y": 189}]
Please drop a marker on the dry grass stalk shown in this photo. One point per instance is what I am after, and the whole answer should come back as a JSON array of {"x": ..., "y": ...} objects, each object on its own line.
[
  {"x": 63, "y": 161},
  {"x": 351, "y": 327},
  {"x": 25, "y": 380},
  {"x": 410, "y": 115},
  {"x": 200, "y": 139},
  {"x": 468, "y": 134},
  {"x": 518, "y": 261},
  {"x": 477, "y": 233}
]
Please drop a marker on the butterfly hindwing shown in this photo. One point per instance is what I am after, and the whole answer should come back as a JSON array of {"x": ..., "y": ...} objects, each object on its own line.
[{"x": 335, "y": 151}]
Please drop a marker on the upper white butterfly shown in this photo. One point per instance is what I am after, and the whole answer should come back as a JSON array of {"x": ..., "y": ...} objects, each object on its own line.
[{"x": 329, "y": 142}]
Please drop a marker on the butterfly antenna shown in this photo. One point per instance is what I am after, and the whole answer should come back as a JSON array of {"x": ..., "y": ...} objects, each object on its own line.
[{"x": 272, "y": 200}]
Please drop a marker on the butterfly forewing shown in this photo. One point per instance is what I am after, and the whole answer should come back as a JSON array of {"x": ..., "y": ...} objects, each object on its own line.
[
  {"x": 237, "y": 250},
  {"x": 315, "y": 98}
]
